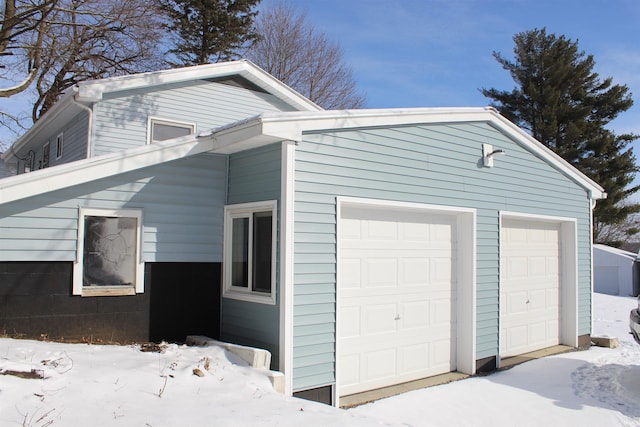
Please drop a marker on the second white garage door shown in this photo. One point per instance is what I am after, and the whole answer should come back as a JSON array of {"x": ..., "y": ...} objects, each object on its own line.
[
  {"x": 396, "y": 297},
  {"x": 529, "y": 286}
]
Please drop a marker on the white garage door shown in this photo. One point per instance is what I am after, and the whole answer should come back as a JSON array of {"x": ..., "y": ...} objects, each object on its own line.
[
  {"x": 396, "y": 297},
  {"x": 529, "y": 286}
]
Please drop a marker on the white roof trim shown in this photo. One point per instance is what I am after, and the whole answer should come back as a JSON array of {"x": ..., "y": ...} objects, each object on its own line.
[
  {"x": 88, "y": 92},
  {"x": 92, "y": 91},
  {"x": 74, "y": 173},
  {"x": 616, "y": 251},
  {"x": 64, "y": 103},
  {"x": 266, "y": 129}
]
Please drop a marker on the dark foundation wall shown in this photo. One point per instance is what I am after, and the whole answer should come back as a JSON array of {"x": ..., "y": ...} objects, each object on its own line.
[
  {"x": 180, "y": 299},
  {"x": 185, "y": 300}
]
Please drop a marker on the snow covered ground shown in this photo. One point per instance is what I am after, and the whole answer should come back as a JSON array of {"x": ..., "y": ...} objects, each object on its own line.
[{"x": 96, "y": 385}]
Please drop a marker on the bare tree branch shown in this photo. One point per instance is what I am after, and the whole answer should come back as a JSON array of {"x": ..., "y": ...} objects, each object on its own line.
[
  {"x": 24, "y": 22},
  {"x": 299, "y": 55}
]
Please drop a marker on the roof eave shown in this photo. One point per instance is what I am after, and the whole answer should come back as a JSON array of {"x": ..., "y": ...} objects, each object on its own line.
[
  {"x": 229, "y": 139},
  {"x": 58, "y": 177},
  {"x": 65, "y": 102},
  {"x": 596, "y": 192},
  {"x": 93, "y": 91}
]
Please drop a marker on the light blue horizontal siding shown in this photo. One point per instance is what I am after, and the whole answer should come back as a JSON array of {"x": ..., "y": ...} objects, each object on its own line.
[
  {"x": 436, "y": 164},
  {"x": 75, "y": 140},
  {"x": 121, "y": 119},
  {"x": 254, "y": 176},
  {"x": 181, "y": 203}
]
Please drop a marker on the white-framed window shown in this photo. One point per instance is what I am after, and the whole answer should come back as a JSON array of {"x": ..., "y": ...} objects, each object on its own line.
[
  {"x": 162, "y": 129},
  {"x": 109, "y": 258},
  {"x": 59, "y": 145},
  {"x": 45, "y": 155},
  {"x": 250, "y": 238}
]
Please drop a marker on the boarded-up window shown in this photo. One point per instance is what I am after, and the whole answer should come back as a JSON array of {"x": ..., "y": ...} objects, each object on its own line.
[
  {"x": 109, "y": 251},
  {"x": 109, "y": 260}
]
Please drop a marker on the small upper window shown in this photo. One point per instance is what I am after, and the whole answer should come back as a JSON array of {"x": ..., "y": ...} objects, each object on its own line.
[
  {"x": 108, "y": 261},
  {"x": 45, "y": 155},
  {"x": 250, "y": 251},
  {"x": 59, "y": 146},
  {"x": 161, "y": 130}
]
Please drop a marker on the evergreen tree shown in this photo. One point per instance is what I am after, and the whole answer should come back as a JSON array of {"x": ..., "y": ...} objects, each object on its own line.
[
  {"x": 565, "y": 105},
  {"x": 209, "y": 30}
]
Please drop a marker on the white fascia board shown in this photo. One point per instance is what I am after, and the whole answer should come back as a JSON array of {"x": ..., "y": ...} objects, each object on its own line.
[
  {"x": 595, "y": 190},
  {"x": 347, "y": 119},
  {"x": 250, "y": 133},
  {"x": 93, "y": 91},
  {"x": 74, "y": 173},
  {"x": 258, "y": 76},
  {"x": 616, "y": 251}
]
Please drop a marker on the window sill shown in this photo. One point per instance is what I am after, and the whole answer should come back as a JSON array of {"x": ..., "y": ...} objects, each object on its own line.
[
  {"x": 108, "y": 291},
  {"x": 250, "y": 296}
]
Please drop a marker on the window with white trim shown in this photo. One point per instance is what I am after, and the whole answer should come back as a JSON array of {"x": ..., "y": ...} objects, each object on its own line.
[
  {"x": 109, "y": 260},
  {"x": 250, "y": 251},
  {"x": 161, "y": 130},
  {"x": 45, "y": 155},
  {"x": 59, "y": 146}
]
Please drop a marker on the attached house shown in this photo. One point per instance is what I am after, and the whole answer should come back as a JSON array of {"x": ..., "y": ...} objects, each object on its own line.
[
  {"x": 615, "y": 271},
  {"x": 362, "y": 248}
]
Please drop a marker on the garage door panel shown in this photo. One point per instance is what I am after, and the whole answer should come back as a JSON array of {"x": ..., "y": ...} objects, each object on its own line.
[
  {"x": 405, "y": 294},
  {"x": 379, "y": 272},
  {"x": 414, "y": 314},
  {"x": 538, "y": 299},
  {"x": 350, "y": 369},
  {"x": 414, "y": 232},
  {"x": 442, "y": 355},
  {"x": 350, "y": 320},
  {"x": 379, "y": 319},
  {"x": 414, "y": 358},
  {"x": 414, "y": 271},
  {"x": 350, "y": 270},
  {"x": 380, "y": 364}
]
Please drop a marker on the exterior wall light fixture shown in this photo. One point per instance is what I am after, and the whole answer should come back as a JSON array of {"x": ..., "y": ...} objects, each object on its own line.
[{"x": 488, "y": 153}]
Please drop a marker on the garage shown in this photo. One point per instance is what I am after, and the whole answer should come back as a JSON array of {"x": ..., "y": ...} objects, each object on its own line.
[
  {"x": 530, "y": 285},
  {"x": 397, "y": 295}
]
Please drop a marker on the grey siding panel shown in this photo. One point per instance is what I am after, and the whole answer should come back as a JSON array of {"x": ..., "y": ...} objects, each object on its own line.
[
  {"x": 436, "y": 164},
  {"x": 254, "y": 176},
  {"x": 121, "y": 119},
  {"x": 182, "y": 213}
]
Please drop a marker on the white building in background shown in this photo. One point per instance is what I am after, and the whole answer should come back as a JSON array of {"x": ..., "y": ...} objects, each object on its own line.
[{"x": 615, "y": 271}]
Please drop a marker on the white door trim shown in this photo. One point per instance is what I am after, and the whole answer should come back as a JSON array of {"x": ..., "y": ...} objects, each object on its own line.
[
  {"x": 466, "y": 269},
  {"x": 569, "y": 272}
]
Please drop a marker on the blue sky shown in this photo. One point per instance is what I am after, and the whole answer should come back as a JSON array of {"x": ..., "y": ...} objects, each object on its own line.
[{"x": 430, "y": 53}]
